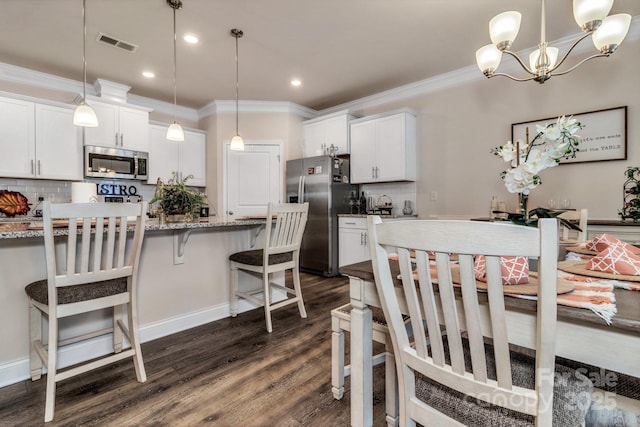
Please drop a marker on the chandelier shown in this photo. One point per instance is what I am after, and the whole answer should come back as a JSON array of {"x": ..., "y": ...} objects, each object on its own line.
[{"x": 607, "y": 32}]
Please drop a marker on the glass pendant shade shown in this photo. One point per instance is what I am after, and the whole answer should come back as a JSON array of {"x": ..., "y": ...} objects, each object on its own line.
[
  {"x": 85, "y": 116},
  {"x": 552, "y": 54},
  {"x": 585, "y": 11},
  {"x": 503, "y": 28},
  {"x": 237, "y": 144},
  {"x": 175, "y": 132},
  {"x": 488, "y": 58},
  {"x": 612, "y": 32}
]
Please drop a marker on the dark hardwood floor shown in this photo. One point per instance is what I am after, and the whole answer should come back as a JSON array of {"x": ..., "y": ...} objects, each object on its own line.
[{"x": 227, "y": 373}]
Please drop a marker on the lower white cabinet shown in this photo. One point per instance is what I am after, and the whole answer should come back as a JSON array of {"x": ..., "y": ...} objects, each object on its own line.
[
  {"x": 185, "y": 158},
  {"x": 353, "y": 240}
]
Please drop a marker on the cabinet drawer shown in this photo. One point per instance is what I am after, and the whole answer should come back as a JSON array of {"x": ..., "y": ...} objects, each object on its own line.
[{"x": 351, "y": 222}]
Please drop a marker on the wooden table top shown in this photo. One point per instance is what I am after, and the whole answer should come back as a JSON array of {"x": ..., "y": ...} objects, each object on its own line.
[{"x": 627, "y": 318}]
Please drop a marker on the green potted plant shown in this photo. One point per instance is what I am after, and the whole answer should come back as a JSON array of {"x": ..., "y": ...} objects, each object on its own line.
[{"x": 175, "y": 201}]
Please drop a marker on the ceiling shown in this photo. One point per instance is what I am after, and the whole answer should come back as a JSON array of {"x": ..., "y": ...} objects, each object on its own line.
[{"x": 342, "y": 50}]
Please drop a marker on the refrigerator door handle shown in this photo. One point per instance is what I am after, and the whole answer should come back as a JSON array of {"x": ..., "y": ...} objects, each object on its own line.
[{"x": 301, "y": 189}]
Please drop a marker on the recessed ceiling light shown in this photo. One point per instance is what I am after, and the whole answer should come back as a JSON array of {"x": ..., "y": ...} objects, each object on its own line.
[
  {"x": 148, "y": 74},
  {"x": 296, "y": 82},
  {"x": 190, "y": 38}
]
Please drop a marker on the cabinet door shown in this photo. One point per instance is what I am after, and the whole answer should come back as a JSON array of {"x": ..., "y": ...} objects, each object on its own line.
[
  {"x": 17, "y": 138},
  {"x": 390, "y": 148},
  {"x": 363, "y": 160},
  {"x": 313, "y": 139},
  {"x": 193, "y": 158},
  {"x": 353, "y": 246},
  {"x": 164, "y": 155},
  {"x": 106, "y": 134},
  {"x": 58, "y": 144},
  {"x": 336, "y": 132},
  {"x": 134, "y": 129}
]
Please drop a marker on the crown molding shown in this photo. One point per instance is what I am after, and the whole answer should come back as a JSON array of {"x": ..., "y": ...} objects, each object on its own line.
[
  {"x": 167, "y": 108},
  {"x": 25, "y": 76},
  {"x": 248, "y": 106}
]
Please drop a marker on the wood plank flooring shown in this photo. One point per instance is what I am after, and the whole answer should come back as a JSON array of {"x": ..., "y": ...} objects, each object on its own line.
[{"x": 226, "y": 373}]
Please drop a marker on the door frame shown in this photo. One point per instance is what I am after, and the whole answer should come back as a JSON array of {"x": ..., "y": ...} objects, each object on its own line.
[{"x": 225, "y": 191}]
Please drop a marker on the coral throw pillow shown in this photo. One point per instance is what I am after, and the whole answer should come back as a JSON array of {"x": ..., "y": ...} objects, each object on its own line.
[
  {"x": 616, "y": 260},
  {"x": 515, "y": 269}
]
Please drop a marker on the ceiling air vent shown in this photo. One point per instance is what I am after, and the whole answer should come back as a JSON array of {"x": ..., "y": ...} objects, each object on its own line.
[{"x": 112, "y": 41}]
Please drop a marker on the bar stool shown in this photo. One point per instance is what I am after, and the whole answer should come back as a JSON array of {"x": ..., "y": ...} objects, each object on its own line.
[{"x": 96, "y": 270}]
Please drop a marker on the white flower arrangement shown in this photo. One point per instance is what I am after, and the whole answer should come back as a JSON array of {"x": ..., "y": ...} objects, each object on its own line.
[{"x": 552, "y": 143}]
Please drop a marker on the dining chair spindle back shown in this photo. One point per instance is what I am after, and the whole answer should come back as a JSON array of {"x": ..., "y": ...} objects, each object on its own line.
[{"x": 469, "y": 375}]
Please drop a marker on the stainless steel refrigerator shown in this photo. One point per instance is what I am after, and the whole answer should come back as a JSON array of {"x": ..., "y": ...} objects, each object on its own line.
[{"x": 322, "y": 181}]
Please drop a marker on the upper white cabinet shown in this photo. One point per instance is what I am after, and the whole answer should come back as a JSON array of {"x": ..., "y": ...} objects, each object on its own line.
[
  {"x": 322, "y": 132},
  {"x": 383, "y": 148},
  {"x": 119, "y": 126},
  {"x": 39, "y": 141},
  {"x": 184, "y": 158}
]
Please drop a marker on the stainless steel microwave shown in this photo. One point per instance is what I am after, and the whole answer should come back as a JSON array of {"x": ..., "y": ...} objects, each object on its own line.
[{"x": 104, "y": 162}]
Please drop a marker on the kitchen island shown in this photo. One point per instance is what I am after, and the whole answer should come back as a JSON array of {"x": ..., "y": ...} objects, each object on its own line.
[{"x": 183, "y": 282}]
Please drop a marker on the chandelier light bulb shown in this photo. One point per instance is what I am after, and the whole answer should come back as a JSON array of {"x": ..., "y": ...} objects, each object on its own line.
[
  {"x": 488, "y": 58},
  {"x": 503, "y": 28},
  {"x": 590, "y": 13},
  {"x": 552, "y": 55},
  {"x": 612, "y": 32}
]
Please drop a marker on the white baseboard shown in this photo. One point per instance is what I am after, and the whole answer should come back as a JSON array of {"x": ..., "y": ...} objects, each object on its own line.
[{"x": 18, "y": 370}]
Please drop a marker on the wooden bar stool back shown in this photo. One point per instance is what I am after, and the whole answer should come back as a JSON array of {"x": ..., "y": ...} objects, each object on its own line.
[
  {"x": 95, "y": 267},
  {"x": 283, "y": 235}
]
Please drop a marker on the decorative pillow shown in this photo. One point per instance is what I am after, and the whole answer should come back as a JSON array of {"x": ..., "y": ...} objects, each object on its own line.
[
  {"x": 515, "y": 269},
  {"x": 600, "y": 243},
  {"x": 616, "y": 260}
]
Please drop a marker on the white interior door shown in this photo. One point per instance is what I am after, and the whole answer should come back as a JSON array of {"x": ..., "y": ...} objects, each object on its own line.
[{"x": 253, "y": 178}]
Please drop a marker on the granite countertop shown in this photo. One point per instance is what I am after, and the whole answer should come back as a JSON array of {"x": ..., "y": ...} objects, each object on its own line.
[
  {"x": 381, "y": 216},
  {"x": 27, "y": 227}
]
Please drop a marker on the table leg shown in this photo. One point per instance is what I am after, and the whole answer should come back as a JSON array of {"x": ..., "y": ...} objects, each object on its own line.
[{"x": 361, "y": 357}]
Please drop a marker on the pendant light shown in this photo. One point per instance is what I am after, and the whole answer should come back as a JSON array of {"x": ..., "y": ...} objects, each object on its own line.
[
  {"x": 237, "y": 143},
  {"x": 84, "y": 114},
  {"x": 174, "y": 132}
]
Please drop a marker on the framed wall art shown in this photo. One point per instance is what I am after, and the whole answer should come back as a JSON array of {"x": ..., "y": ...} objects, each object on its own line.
[{"x": 603, "y": 137}]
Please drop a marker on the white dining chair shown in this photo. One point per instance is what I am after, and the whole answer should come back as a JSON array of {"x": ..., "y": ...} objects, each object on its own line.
[
  {"x": 96, "y": 268},
  {"x": 579, "y": 217},
  {"x": 472, "y": 377},
  {"x": 341, "y": 323},
  {"x": 283, "y": 235}
]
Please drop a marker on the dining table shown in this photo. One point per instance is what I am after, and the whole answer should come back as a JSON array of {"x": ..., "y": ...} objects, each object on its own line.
[{"x": 582, "y": 336}]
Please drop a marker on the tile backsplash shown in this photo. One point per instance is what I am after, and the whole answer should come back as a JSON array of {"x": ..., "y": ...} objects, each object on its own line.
[
  {"x": 60, "y": 191},
  {"x": 398, "y": 192}
]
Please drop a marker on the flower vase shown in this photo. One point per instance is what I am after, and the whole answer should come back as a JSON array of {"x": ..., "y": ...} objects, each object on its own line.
[{"x": 522, "y": 206}]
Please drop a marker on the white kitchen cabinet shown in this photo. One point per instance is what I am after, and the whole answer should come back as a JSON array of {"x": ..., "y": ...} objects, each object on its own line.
[
  {"x": 353, "y": 241},
  {"x": 383, "y": 148},
  {"x": 39, "y": 141},
  {"x": 322, "y": 132},
  {"x": 118, "y": 126},
  {"x": 186, "y": 157}
]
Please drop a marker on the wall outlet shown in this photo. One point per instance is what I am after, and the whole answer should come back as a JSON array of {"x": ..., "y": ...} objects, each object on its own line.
[{"x": 434, "y": 196}]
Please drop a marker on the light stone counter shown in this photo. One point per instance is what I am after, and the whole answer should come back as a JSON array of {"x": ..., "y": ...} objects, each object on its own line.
[{"x": 17, "y": 228}]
